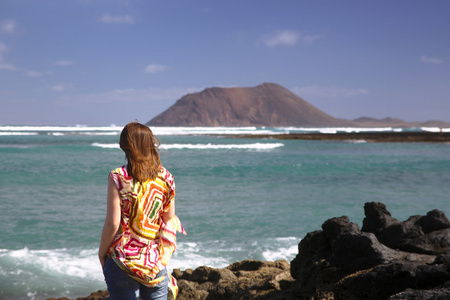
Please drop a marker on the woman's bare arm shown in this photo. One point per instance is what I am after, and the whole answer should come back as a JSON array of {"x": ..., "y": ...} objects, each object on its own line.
[{"x": 112, "y": 221}]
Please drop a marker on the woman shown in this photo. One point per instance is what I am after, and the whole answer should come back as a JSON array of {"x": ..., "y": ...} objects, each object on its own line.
[{"x": 139, "y": 234}]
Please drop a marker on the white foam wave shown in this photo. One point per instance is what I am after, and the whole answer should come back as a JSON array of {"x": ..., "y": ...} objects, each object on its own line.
[
  {"x": 101, "y": 133},
  {"x": 208, "y": 130},
  {"x": 281, "y": 248},
  {"x": 17, "y": 133},
  {"x": 357, "y": 141},
  {"x": 31, "y": 274},
  {"x": 108, "y": 146},
  {"x": 334, "y": 130},
  {"x": 162, "y": 131},
  {"x": 435, "y": 129},
  {"x": 56, "y": 133},
  {"x": 60, "y": 128},
  {"x": 34, "y": 274},
  {"x": 285, "y": 253},
  {"x": 74, "y": 265},
  {"x": 261, "y": 130},
  {"x": 188, "y": 256},
  {"x": 81, "y": 263},
  {"x": 105, "y": 130},
  {"x": 254, "y": 146}
]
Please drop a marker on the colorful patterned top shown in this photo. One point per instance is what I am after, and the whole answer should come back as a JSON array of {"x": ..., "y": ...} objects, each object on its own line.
[{"x": 143, "y": 243}]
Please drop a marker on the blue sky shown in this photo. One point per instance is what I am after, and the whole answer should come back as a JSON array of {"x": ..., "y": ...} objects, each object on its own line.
[{"x": 102, "y": 62}]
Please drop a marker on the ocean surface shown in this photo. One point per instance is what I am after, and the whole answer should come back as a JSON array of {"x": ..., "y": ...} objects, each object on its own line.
[{"x": 237, "y": 198}]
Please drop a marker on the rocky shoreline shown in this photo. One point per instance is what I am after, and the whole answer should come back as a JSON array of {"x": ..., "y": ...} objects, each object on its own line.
[
  {"x": 385, "y": 259},
  {"x": 383, "y": 137}
]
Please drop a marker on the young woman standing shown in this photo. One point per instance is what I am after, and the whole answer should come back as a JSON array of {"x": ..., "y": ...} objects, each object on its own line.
[{"x": 139, "y": 234}]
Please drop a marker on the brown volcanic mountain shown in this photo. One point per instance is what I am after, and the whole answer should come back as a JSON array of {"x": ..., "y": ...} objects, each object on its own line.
[{"x": 268, "y": 104}]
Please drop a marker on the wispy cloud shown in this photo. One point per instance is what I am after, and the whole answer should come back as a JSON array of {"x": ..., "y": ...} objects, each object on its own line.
[
  {"x": 3, "y": 64},
  {"x": 8, "y": 26},
  {"x": 288, "y": 38},
  {"x": 6, "y": 66},
  {"x": 60, "y": 87},
  {"x": 155, "y": 68},
  {"x": 64, "y": 63},
  {"x": 3, "y": 49},
  {"x": 34, "y": 74},
  {"x": 431, "y": 60},
  {"x": 125, "y": 19},
  {"x": 328, "y": 92}
]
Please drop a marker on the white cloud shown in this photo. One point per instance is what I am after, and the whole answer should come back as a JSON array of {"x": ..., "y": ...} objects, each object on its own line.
[
  {"x": 288, "y": 38},
  {"x": 431, "y": 60},
  {"x": 8, "y": 26},
  {"x": 282, "y": 38},
  {"x": 155, "y": 68},
  {"x": 309, "y": 39},
  {"x": 60, "y": 87},
  {"x": 125, "y": 19},
  {"x": 64, "y": 63},
  {"x": 328, "y": 92},
  {"x": 34, "y": 74},
  {"x": 3, "y": 48},
  {"x": 4, "y": 65}
]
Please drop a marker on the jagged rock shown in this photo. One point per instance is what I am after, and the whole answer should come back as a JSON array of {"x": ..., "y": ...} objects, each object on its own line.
[
  {"x": 377, "y": 218},
  {"x": 342, "y": 262},
  {"x": 441, "y": 292},
  {"x": 98, "y": 295},
  {"x": 249, "y": 279},
  {"x": 377, "y": 283},
  {"x": 428, "y": 234},
  {"x": 190, "y": 291},
  {"x": 431, "y": 275}
]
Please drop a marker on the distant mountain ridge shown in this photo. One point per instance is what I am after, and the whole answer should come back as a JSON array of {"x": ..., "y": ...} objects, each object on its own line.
[
  {"x": 393, "y": 122},
  {"x": 268, "y": 104}
]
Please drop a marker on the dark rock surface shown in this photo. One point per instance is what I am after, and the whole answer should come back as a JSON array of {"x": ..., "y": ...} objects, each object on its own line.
[
  {"x": 428, "y": 234},
  {"x": 386, "y": 259},
  {"x": 370, "y": 137},
  {"x": 249, "y": 279},
  {"x": 99, "y": 295}
]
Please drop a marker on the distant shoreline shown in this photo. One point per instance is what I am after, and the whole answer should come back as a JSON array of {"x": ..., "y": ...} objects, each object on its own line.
[{"x": 380, "y": 137}]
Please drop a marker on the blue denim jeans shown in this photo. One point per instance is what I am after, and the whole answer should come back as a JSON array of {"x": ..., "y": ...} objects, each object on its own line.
[{"x": 123, "y": 287}]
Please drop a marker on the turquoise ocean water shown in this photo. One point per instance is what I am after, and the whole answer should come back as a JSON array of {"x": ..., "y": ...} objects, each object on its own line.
[{"x": 237, "y": 198}]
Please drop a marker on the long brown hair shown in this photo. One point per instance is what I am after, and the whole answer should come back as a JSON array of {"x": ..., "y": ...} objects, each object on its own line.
[{"x": 140, "y": 147}]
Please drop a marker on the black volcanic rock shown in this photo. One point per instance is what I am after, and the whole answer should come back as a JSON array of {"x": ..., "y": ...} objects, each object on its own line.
[
  {"x": 268, "y": 104},
  {"x": 343, "y": 262},
  {"x": 428, "y": 234}
]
